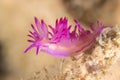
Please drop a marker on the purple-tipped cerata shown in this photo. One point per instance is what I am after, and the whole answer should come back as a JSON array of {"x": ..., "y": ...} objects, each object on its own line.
[{"x": 61, "y": 41}]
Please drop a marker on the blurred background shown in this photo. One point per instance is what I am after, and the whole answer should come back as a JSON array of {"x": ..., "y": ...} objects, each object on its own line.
[{"x": 17, "y": 15}]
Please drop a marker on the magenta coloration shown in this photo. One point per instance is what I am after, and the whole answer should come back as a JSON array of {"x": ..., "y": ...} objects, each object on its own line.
[{"x": 61, "y": 41}]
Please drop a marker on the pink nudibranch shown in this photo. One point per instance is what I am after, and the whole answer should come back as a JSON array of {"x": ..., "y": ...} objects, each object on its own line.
[{"x": 61, "y": 41}]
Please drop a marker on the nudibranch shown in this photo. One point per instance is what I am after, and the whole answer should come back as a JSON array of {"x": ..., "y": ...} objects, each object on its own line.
[{"x": 62, "y": 41}]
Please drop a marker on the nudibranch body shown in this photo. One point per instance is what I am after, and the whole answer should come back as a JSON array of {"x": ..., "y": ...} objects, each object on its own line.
[{"x": 61, "y": 41}]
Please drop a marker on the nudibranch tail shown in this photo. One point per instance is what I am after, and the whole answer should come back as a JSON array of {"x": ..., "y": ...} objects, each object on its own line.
[{"x": 61, "y": 41}]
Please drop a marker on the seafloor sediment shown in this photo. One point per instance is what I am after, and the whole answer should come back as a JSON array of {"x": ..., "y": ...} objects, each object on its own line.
[{"x": 92, "y": 64}]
